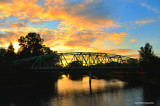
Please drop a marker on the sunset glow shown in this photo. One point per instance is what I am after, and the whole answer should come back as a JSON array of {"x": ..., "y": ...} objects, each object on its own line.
[{"x": 109, "y": 26}]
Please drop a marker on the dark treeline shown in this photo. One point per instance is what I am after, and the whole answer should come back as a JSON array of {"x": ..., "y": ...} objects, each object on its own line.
[{"x": 30, "y": 45}]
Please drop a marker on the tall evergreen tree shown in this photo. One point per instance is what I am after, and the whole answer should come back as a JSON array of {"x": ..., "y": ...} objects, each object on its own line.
[
  {"x": 10, "y": 54},
  {"x": 146, "y": 53}
]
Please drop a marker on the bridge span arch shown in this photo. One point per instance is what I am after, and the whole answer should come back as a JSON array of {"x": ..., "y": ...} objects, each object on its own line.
[{"x": 64, "y": 59}]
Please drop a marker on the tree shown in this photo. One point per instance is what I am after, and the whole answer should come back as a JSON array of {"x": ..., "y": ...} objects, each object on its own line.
[
  {"x": 75, "y": 64},
  {"x": 148, "y": 59},
  {"x": 146, "y": 53},
  {"x": 10, "y": 54},
  {"x": 47, "y": 50},
  {"x": 7, "y": 56},
  {"x": 10, "y": 49},
  {"x": 132, "y": 62},
  {"x": 2, "y": 55},
  {"x": 31, "y": 45}
]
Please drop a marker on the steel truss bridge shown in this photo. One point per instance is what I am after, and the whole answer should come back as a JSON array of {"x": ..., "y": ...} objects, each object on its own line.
[{"x": 51, "y": 61}]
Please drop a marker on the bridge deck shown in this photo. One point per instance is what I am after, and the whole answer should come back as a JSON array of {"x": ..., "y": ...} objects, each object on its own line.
[{"x": 87, "y": 69}]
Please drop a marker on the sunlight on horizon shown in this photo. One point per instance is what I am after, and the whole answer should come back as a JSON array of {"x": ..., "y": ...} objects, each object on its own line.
[{"x": 16, "y": 46}]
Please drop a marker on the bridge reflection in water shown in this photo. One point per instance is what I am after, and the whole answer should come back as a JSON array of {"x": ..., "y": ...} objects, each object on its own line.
[
  {"x": 60, "y": 60},
  {"x": 82, "y": 85}
]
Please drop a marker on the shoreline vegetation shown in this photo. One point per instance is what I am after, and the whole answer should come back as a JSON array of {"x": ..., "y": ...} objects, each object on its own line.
[{"x": 32, "y": 45}]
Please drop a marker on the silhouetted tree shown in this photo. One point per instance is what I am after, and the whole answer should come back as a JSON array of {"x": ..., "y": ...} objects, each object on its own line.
[
  {"x": 75, "y": 64},
  {"x": 148, "y": 59},
  {"x": 10, "y": 48},
  {"x": 2, "y": 55},
  {"x": 10, "y": 54},
  {"x": 31, "y": 45},
  {"x": 132, "y": 62},
  {"x": 47, "y": 50},
  {"x": 23, "y": 53},
  {"x": 146, "y": 53}
]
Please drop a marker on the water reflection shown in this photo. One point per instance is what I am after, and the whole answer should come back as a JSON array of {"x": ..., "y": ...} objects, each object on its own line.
[
  {"x": 67, "y": 86},
  {"x": 70, "y": 91}
]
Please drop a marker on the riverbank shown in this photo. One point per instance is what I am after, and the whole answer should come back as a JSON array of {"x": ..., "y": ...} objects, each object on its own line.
[
  {"x": 135, "y": 77},
  {"x": 12, "y": 78},
  {"x": 151, "y": 79},
  {"x": 22, "y": 77}
]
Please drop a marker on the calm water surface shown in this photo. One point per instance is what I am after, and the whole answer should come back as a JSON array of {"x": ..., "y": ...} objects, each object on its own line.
[{"x": 77, "y": 91}]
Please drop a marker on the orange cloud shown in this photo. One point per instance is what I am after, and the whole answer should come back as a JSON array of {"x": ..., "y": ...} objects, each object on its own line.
[
  {"x": 132, "y": 40},
  {"x": 17, "y": 24},
  {"x": 92, "y": 39},
  {"x": 120, "y": 51},
  {"x": 70, "y": 15},
  {"x": 65, "y": 41},
  {"x": 144, "y": 22},
  {"x": 117, "y": 38},
  {"x": 133, "y": 55},
  {"x": 54, "y": 2},
  {"x": 79, "y": 28},
  {"x": 21, "y": 9}
]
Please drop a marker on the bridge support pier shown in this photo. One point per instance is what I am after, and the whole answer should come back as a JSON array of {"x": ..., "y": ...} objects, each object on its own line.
[
  {"x": 90, "y": 76},
  {"x": 90, "y": 87}
]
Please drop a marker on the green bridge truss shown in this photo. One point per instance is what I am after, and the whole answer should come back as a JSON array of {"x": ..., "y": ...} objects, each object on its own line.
[{"x": 64, "y": 59}]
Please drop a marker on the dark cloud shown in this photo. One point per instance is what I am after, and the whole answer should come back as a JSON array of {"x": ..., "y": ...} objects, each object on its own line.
[
  {"x": 7, "y": 34},
  {"x": 8, "y": 37},
  {"x": 17, "y": 24},
  {"x": 93, "y": 10},
  {"x": 5, "y": 1},
  {"x": 80, "y": 40}
]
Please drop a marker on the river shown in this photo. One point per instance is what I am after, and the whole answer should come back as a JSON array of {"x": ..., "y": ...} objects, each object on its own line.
[{"x": 73, "y": 90}]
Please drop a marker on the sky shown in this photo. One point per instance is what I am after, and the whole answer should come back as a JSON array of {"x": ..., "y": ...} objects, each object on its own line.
[{"x": 106, "y": 26}]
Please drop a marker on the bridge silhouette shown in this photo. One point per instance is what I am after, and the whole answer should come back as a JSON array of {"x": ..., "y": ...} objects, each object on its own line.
[{"x": 88, "y": 60}]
